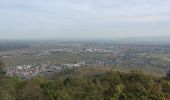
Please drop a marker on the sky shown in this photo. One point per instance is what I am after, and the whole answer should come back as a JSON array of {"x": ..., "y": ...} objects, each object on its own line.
[{"x": 71, "y": 19}]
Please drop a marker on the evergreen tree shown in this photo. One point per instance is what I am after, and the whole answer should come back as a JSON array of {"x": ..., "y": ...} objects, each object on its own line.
[
  {"x": 2, "y": 72},
  {"x": 168, "y": 75}
]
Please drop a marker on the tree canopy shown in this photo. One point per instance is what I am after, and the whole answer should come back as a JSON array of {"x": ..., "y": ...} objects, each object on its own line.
[{"x": 134, "y": 85}]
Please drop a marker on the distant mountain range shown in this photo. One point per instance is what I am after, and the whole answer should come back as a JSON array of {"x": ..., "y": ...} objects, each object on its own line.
[{"x": 156, "y": 39}]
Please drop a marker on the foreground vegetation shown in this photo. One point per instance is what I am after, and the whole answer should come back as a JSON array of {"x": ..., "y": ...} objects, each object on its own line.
[{"x": 92, "y": 84}]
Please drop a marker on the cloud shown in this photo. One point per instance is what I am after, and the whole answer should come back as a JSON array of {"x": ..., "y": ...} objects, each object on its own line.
[
  {"x": 89, "y": 9},
  {"x": 146, "y": 18},
  {"x": 77, "y": 16}
]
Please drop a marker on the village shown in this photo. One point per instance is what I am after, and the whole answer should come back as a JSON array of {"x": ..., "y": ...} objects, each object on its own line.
[{"x": 29, "y": 71}]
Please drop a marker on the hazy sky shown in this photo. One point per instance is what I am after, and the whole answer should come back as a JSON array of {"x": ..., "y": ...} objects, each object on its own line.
[{"x": 32, "y": 19}]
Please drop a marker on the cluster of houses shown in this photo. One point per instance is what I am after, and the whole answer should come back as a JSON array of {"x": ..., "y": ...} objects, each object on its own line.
[
  {"x": 80, "y": 50},
  {"x": 29, "y": 71}
]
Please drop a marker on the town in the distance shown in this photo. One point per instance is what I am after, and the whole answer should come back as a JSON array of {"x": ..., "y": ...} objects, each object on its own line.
[{"x": 27, "y": 59}]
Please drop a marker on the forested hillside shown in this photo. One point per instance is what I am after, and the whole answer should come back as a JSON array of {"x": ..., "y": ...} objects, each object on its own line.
[{"x": 90, "y": 84}]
